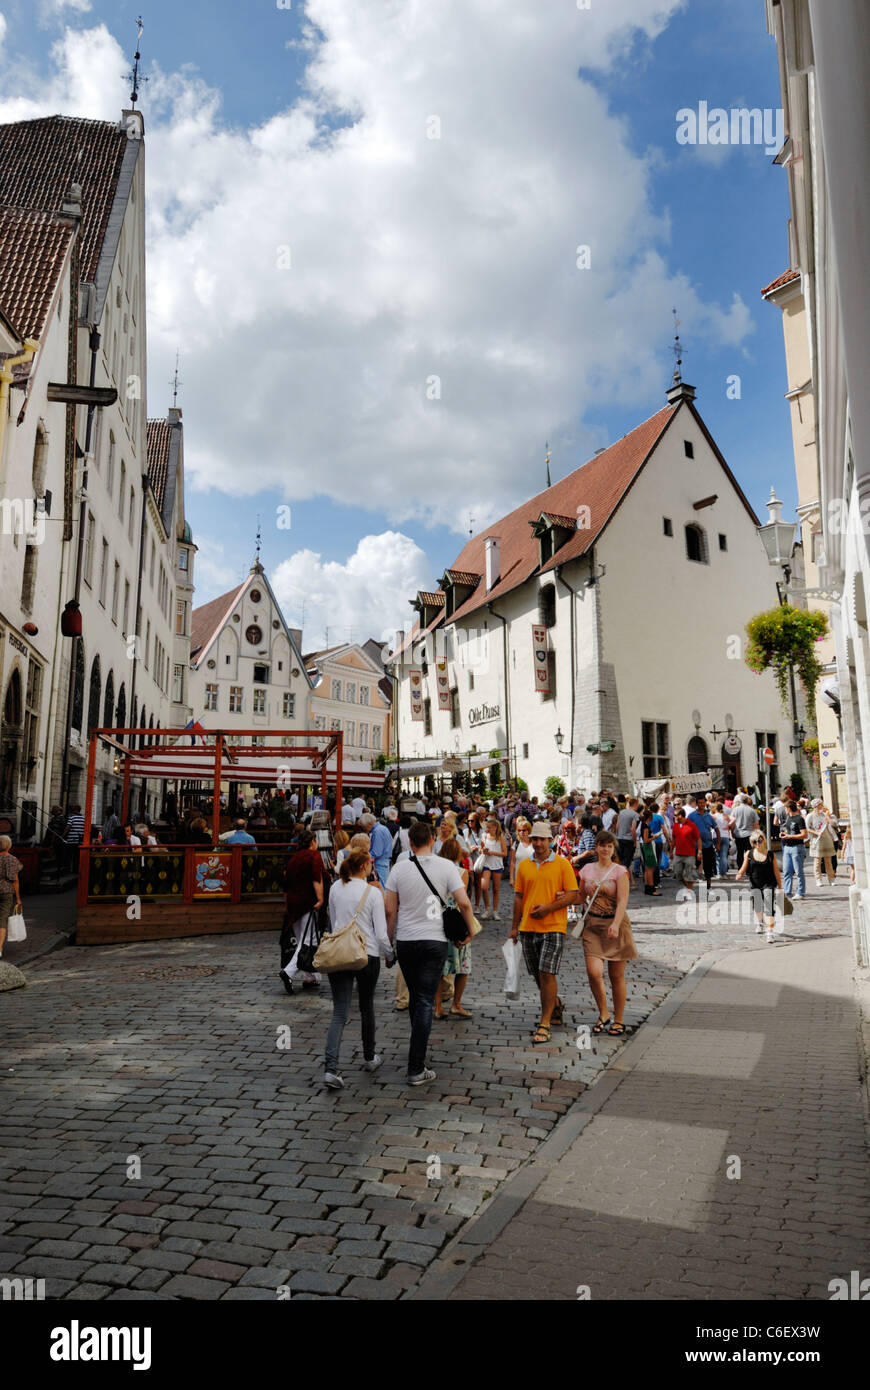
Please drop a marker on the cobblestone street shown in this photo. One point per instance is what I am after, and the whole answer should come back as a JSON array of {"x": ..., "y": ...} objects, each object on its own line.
[{"x": 170, "y": 1061}]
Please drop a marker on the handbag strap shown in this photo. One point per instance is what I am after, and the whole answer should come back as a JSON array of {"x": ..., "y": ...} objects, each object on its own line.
[
  {"x": 601, "y": 881},
  {"x": 359, "y": 907},
  {"x": 415, "y": 860}
]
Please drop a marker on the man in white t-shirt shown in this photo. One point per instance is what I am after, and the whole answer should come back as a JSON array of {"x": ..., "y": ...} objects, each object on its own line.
[
  {"x": 414, "y": 908},
  {"x": 359, "y": 807},
  {"x": 421, "y": 807},
  {"x": 348, "y": 814}
]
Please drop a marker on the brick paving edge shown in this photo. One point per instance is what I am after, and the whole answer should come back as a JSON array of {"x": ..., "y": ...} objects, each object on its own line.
[{"x": 457, "y": 1258}]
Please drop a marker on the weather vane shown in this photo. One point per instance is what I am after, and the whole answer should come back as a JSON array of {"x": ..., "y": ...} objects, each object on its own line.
[
  {"x": 176, "y": 381},
  {"x": 677, "y": 350},
  {"x": 134, "y": 75},
  {"x": 259, "y": 539},
  {"x": 547, "y": 461}
]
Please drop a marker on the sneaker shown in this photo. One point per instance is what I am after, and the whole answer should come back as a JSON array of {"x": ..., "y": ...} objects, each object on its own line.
[
  {"x": 427, "y": 1074},
  {"x": 373, "y": 1064},
  {"x": 333, "y": 1080},
  {"x": 759, "y": 930},
  {"x": 770, "y": 938}
]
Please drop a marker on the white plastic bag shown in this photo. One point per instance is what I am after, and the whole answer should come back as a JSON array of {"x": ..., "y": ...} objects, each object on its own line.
[
  {"x": 15, "y": 928},
  {"x": 512, "y": 950}
]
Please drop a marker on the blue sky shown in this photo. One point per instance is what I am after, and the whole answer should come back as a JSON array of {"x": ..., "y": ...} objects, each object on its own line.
[{"x": 714, "y": 221}]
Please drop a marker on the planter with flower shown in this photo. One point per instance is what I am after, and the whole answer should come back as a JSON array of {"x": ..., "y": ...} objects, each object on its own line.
[{"x": 785, "y": 637}]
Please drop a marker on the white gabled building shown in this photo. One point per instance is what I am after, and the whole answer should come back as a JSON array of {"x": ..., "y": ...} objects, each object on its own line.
[
  {"x": 642, "y": 568},
  {"x": 351, "y": 692},
  {"x": 246, "y": 668}
]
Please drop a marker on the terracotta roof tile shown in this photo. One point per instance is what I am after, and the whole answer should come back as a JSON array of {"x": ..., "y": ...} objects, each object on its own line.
[
  {"x": 40, "y": 159},
  {"x": 568, "y": 523},
  {"x": 206, "y": 619},
  {"x": 599, "y": 485},
  {"x": 463, "y": 577},
  {"x": 784, "y": 279},
  {"x": 432, "y": 600},
  {"x": 159, "y": 434},
  {"x": 33, "y": 249}
]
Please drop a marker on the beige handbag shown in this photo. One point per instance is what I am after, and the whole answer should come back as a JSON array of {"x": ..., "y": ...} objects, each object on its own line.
[{"x": 345, "y": 949}]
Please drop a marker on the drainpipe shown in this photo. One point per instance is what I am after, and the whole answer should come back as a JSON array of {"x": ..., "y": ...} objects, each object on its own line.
[
  {"x": 507, "y": 698},
  {"x": 558, "y": 571},
  {"x": 30, "y": 346}
]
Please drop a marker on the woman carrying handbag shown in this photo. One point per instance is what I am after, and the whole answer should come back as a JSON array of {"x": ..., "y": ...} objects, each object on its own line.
[
  {"x": 10, "y": 893},
  {"x": 352, "y": 900},
  {"x": 303, "y": 889}
]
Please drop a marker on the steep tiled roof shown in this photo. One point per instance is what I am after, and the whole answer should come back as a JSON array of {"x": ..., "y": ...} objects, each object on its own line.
[
  {"x": 432, "y": 600},
  {"x": 462, "y": 576},
  {"x": 40, "y": 159},
  {"x": 780, "y": 280},
  {"x": 159, "y": 434},
  {"x": 568, "y": 523},
  {"x": 33, "y": 248},
  {"x": 599, "y": 485},
  {"x": 206, "y": 620}
]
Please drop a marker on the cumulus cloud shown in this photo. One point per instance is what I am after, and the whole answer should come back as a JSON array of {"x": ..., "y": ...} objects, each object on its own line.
[
  {"x": 366, "y": 596},
  {"x": 385, "y": 277}
]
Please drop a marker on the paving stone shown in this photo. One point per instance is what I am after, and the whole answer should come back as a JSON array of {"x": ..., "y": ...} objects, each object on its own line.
[{"x": 189, "y": 1286}]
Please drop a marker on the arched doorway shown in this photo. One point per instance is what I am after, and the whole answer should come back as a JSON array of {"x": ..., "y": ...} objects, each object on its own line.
[
  {"x": 696, "y": 753},
  {"x": 96, "y": 690},
  {"x": 731, "y": 766},
  {"x": 12, "y": 734}
]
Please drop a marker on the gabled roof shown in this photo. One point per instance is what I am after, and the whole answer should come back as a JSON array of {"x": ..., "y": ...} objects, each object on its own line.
[
  {"x": 599, "y": 485},
  {"x": 33, "y": 252},
  {"x": 463, "y": 577},
  {"x": 435, "y": 599},
  {"x": 209, "y": 618},
  {"x": 777, "y": 284},
  {"x": 159, "y": 436},
  {"x": 567, "y": 523},
  {"x": 40, "y": 159}
]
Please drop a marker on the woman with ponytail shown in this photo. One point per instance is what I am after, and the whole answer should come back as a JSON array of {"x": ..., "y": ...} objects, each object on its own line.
[{"x": 352, "y": 897}]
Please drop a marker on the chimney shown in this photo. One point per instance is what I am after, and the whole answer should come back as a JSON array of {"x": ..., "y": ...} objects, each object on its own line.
[{"x": 493, "y": 561}]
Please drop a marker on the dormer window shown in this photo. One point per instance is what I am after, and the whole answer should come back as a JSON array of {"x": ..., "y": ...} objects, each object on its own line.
[
  {"x": 457, "y": 585},
  {"x": 552, "y": 531}
]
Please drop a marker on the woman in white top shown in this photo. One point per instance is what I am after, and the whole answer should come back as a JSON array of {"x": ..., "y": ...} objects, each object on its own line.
[
  {"x": 350, "y": 895},
  {"x": 820, "y": 824},
  {"x": 726, "y": 825},
  {"x": 522, "y": 849},
  {"x": 494, "y": 851}
]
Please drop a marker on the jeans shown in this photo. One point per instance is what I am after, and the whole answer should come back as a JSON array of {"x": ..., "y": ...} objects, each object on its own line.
[
  {"x": 708, "y": 860},
  {"x": 341, "y": 984},
  {"x": 422, "y": 965},
  {"x": 382, "y": 868},
  {"x": 722, "y": 858},
  {"x": 793, "y": 857}
]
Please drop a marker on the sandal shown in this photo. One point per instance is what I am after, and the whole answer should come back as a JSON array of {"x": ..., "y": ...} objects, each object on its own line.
[
  {"x": 541, "y": 1034},
  {"x": 436, "y": 1013},
  {"x": 617, "y": 1030},
  {"x": 461, "y": 1013},
  {"x": 600, "y": 1025}
]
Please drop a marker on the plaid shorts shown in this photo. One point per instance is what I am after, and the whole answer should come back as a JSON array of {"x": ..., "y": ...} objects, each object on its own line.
[{"x": 542, "y": 950}]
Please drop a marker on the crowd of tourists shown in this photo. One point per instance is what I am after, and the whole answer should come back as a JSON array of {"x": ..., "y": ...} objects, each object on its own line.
[{"x": 417, "y": 884}]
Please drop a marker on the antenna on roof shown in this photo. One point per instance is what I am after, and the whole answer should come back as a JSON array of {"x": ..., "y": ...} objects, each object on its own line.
[
  {"x": 549, "y": 484},
  {"x": 677, "y": 351},
  {"x": 134, "y": 75},
  {"x": 176, "y": 381}
]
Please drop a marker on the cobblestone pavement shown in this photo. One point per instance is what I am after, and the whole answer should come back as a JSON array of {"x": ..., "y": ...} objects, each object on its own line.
[
  {"x": 170, "y": 1060},
  {"x": 730, "y": 1162}
]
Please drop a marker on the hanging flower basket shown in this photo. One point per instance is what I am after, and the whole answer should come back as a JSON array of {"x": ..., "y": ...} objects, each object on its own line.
[
  {"x": 785, "y": 637},
  {"x": 810, "y": 749}
]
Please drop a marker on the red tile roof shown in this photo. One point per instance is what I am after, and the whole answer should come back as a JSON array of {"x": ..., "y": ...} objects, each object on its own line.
[
  {"x": 206, "y": 620},
  {"x": 159, "y": 434},
  {"x": 599, "y": 485},
  {"x": 568, "y": 523},
  {"x": 40, "y": 159},
  {"x": 432, "y": 600},
  {"x": 463, "y": 577},
  {"x": 784, "y": 279},
  {"x": 33, "y": 250}
]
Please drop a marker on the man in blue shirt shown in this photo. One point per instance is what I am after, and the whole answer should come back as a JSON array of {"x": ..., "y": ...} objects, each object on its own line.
[
  {"x": 380, "y": 846},
  {"x": 239, "y": 835},
  {"x": 710, "y": 837}
]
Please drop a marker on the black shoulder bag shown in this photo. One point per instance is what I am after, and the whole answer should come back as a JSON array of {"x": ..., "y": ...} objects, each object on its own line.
[{"x": 452, "y": 920}]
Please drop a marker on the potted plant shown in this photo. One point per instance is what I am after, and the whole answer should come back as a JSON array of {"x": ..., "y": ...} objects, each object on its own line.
[
  {"x": 554, "y": 786},
  {"x": 784, "y": 637}
]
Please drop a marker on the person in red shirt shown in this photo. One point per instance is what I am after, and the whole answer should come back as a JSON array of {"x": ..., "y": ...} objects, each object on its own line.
[{"x": 687, "y": 847}]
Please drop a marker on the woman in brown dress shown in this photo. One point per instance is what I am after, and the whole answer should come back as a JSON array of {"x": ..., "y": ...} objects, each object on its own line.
[{"x": 606, "y": 930}]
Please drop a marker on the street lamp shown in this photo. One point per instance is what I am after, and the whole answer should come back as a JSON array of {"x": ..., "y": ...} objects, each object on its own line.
[
  {"x": 559, "y": 738},
  {"x": 800, "y": 734},
  {"x": 778, "y": 538}
]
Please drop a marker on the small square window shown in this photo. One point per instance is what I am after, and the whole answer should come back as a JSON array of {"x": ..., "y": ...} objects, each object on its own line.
[
  {"x": 689, "y": 448},
  {"x": 525, "y": 750},
  {"x": 668, "y": 526},
  {"x": 723, "y": 541}
]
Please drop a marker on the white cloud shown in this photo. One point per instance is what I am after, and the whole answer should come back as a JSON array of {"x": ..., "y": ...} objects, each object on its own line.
[
  {"x": 366, "y": 596},
  {"x": 3, "y": 27},
  {"x": 410, "y": 258}
]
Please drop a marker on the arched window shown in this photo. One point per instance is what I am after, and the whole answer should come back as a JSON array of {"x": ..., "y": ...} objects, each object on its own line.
[
  {"x": 121, "y": 709},
  {"x": 40, "y": 460},
  {"x": 12, "y": 703},
  {"x": 696, "y": 544},
  {"x": 547, "y": 605},
  {"x": 79, "y": 686},
  {"x": 697, "y": 755},
  {"x": 95, "y": 690},
  {"x": 109, "y": 703}
]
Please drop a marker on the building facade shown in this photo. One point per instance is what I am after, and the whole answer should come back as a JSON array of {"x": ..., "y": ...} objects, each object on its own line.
[
  {"x": 824, "y": 65},
  {"x": 112, "y": 527},
  {"x": 349, "y": 692},
  {"x": 596, "y": 633}
]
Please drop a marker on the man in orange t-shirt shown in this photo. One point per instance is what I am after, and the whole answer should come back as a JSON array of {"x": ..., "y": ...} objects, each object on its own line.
[{"x": 539, "y": 881}]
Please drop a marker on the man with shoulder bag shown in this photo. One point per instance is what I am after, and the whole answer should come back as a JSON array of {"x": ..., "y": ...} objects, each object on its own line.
[{"x": 415, "y": 900}]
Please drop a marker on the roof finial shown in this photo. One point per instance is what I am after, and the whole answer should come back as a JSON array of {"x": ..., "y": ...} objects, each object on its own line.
[
  {"x": 547, "y": 460},
  {"x": 677, "y": 351},
  {"x": 134, "y": 75},
  {"x": 176, "y": 381}
]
